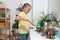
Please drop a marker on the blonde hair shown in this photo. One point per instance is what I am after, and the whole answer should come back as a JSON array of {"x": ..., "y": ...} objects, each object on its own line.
[{"x": 25, "y": 5}]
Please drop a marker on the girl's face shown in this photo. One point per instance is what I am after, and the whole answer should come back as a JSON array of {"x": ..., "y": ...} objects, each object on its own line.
[{"x": 27, "y": 9}]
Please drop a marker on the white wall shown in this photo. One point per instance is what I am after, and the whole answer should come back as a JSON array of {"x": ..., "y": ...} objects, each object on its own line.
[
  {"x": 54, "y": 6},
  {"x": 38, "y": 7}
]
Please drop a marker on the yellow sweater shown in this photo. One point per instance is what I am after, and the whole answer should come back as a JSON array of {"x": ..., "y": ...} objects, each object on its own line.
[{"x": 23, "y": 25}]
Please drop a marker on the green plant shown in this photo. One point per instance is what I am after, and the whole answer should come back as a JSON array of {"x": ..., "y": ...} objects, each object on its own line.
[
  {"x": 2, "y": 15},
  {"x": 49, "y": 17},
  {"x": 19, "y": 9},
  {"x": 0, "y": 2},
  {"x": 45, "y": 17},
  {"x": 15, "y": 25}
]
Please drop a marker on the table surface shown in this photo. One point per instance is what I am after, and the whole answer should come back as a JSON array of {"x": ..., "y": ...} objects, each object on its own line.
[{"x": 37, "y": 36}]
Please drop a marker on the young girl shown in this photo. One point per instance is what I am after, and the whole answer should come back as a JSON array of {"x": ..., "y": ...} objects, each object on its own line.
[{"x": 24, "y": 23}]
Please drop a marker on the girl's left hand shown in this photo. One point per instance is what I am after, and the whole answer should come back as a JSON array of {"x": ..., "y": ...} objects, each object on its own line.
[{"x": 31, "y": 28}]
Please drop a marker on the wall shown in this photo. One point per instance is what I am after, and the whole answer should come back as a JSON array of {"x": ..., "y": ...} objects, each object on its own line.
[
  {"x": 54, "y": 6},
  {"x": 38, "y": 7}
]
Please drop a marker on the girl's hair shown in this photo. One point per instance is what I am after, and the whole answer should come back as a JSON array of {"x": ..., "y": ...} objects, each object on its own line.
[{"x": 25, "y": 5}]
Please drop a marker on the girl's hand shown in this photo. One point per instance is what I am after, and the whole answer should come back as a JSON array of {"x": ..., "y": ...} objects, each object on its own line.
[{"x": 31, "y": 28}]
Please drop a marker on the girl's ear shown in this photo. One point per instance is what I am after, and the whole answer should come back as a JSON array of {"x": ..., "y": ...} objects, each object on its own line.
[{"x": 24, "y": 8}]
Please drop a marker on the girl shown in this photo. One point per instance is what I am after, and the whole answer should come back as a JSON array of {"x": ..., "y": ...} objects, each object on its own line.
[{"x": 24, "y": 23}]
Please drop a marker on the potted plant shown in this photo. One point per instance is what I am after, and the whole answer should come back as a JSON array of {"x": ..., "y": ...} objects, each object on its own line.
[
  {"x": 15, "y": 26},
  {"x": 49, "y": 18},
  {"x": 43, "y": 19},
  {"x": 0, "y": 3}
]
